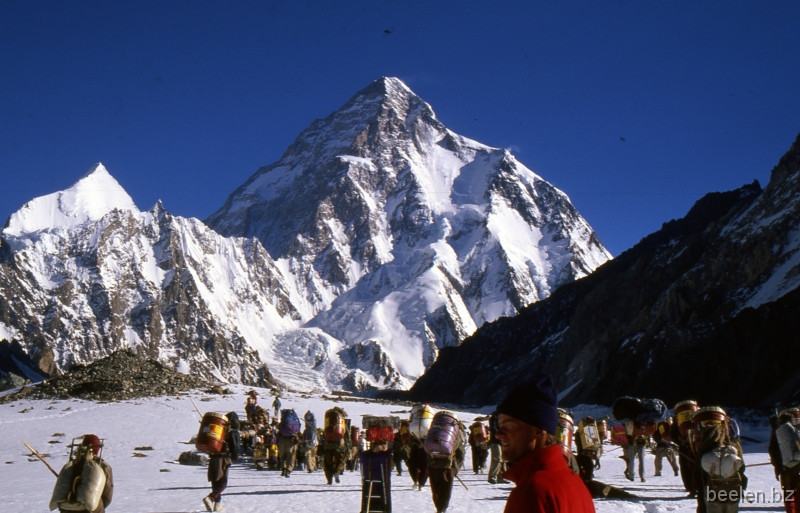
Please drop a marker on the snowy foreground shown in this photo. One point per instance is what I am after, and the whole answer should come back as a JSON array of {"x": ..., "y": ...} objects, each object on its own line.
[{"x": 156, "y": 483}]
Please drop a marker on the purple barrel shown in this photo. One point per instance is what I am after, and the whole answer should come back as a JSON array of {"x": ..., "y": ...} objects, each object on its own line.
[{"x": 443, "y": 435}]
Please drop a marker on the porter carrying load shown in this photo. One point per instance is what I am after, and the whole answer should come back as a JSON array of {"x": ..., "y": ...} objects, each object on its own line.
[{"x": 85, "y": 482}]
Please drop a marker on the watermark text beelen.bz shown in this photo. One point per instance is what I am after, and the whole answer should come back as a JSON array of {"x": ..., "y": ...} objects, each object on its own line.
[{"x": 773, "y": 496}]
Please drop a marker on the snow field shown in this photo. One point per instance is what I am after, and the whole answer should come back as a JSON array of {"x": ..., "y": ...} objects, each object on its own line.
[{"x": 157, "y": 483}]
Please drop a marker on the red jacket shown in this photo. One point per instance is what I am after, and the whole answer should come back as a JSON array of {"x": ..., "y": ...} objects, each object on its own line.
[{"x": 545, "y": 484}]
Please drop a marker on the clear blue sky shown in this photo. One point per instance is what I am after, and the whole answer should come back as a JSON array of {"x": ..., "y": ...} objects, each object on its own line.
[{"x": 183, "y": 101}]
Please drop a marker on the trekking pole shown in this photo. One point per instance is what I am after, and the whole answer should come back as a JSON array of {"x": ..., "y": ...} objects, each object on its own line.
[
  {"x": 41, "y": 458},
  {"x": 759, "y": 464},
  {"x": 196, "y": 408},
  {"x": 462, "y": 482}
]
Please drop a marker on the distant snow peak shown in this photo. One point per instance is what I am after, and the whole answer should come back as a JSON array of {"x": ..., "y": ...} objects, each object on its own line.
[{"x": 89, "y": 199}]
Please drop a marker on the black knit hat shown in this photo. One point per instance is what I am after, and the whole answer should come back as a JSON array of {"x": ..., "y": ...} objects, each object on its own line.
[{"x": 533, "y": 403}]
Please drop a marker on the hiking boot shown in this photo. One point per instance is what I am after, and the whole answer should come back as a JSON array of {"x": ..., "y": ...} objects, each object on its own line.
[
  {"x": 287, "y": 474},
  {"x": 500, "y": 480},
  {"x": 330, "y": 481},
  {"x": 657, "y": 475},
  {"x": 336, "y": 478},
  {"x": 492, "y": 481},
  {"x": 208, "y": 503},
  {"x": 642, "y": 479},
  {"x": 218, "y": 506},
  {"x": 676, "y": 473}
]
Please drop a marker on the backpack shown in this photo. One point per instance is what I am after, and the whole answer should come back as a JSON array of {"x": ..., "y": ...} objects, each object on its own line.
[
  {"x": 723, "y": 462},
  {"x": 618, "y": 436},
  {"x": 588, "y": 433},
  {"x": 380, "y": 429},
  {"x": 310, "y": 433},
  {"x": 479, "y": 433},
  {"x": 443, "y": 436},
  {"x": 87, "y": 494},
  {"x": 335, "y": 425},
  {"x": 420, "y": 421},
  {"x": 788, "y": 439},
  {"x": 290, "y": 424}
]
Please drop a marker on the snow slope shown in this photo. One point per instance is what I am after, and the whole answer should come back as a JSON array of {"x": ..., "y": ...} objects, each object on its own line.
[{"x": 156, "y": 483}]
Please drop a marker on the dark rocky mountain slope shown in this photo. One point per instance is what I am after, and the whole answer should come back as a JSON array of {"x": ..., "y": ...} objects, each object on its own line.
[{"x": 708, "y": 307}]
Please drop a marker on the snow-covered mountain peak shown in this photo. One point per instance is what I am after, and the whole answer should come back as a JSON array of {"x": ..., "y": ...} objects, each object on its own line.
[
  {"x": 398, "y": 237},
  {"x": 386, "y": 88},
  {"x": 89, "y": 199}
]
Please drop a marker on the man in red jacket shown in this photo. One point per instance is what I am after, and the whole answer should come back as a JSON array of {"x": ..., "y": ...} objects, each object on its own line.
[{"x": 527, "y": 421}]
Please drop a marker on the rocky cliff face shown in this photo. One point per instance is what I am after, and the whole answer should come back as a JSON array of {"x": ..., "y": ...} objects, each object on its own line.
[
  {"x": 707, "y": 308},
  {"x": 379, "y": 238}
]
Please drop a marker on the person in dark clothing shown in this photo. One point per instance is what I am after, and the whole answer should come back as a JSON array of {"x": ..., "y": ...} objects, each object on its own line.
[
  {"x": 478, "y": 443},
  {"x": 250, "y": 405},
  {"x": 442, "y": 473},
  {"x": 334, "y": 456},
  {"x": 417, "y": 462},
  {"x": 276, "y": 405},
  {"x": 376, "y": 478},
  {"x": 400, "y": 452},
  {"x": 774, "y": 449},
  {"x": 686, "y": 465},
  {"x": 218, "y": 464},
  {"x": 108, "y": 489}
]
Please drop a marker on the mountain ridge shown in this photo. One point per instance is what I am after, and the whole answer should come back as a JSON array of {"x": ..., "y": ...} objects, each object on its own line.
[
  {"x": 705, "y": 308},
  {"x": 378, "y": 238}
]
